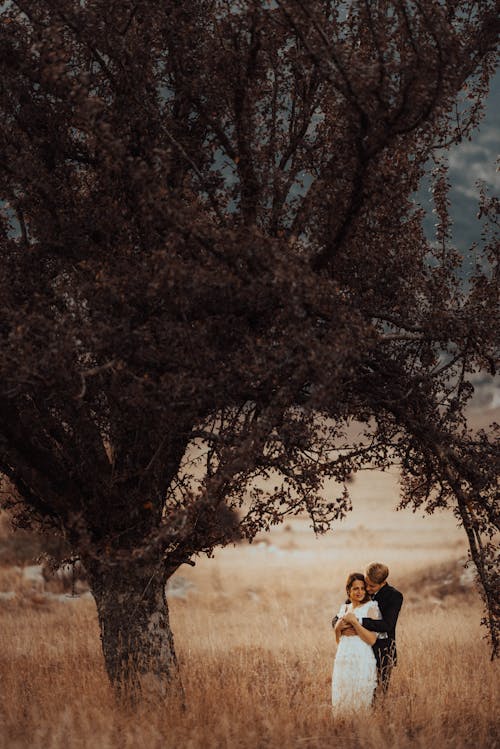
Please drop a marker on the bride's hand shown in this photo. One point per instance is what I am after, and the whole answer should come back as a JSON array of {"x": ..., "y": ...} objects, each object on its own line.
[
  {"x": 345, "y": 628},
  {"x": 350, "y": 619}
]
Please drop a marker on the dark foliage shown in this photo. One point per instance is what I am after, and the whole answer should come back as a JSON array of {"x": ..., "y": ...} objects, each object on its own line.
[{"x": 212, "y": 263}]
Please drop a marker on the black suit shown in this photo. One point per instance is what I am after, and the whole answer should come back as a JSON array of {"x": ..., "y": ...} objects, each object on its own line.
[{"x": 389, "y": 601}]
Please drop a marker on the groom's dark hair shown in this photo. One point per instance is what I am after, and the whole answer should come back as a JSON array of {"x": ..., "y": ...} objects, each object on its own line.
[{"x": 377, "y": 572}]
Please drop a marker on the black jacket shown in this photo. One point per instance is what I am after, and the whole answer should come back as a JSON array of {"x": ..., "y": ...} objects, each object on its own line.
[{"x": 389, "y": 601}]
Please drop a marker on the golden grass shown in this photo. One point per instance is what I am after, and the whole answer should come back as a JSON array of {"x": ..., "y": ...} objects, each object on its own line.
[{"x": 256, "y": 652}]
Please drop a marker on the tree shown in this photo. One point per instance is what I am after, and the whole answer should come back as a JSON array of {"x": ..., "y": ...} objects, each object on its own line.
[{"x": 212, "y": 262}]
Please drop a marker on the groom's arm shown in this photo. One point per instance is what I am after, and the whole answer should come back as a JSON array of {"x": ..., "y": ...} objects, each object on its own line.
[{"x": 389, "y": 616}]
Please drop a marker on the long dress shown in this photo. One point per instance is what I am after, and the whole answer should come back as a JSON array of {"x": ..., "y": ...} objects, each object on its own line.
[{"x": 354, "y": 668}]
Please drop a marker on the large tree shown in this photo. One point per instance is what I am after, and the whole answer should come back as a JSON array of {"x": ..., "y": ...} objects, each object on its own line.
[{"x": 212, "y": 262}]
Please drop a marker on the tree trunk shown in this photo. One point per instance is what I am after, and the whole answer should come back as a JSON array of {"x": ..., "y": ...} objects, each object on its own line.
[{"x": 137, "y": 641}]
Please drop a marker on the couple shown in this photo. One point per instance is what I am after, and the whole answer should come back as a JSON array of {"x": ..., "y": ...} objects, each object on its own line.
[{"x": 365, "y": 630}]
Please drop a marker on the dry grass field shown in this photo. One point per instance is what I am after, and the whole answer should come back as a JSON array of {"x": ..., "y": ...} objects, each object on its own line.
[{"x": 252, "y": 629}]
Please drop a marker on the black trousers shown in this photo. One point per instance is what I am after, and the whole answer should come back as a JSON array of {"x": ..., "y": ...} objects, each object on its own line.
[
  {"x": 386, "y": 660},
  {"x": 383, "y": 677}
]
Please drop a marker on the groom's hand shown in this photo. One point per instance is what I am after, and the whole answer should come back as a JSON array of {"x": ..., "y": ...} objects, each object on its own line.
[{"x": 347, "y": 631}]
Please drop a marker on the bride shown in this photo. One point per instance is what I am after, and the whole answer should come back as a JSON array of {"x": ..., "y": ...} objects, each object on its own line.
[{"x": 355, "y": 669}]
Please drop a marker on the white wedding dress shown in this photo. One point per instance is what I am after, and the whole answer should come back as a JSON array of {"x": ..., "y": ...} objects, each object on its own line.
[{"x": 354, "y": 668}]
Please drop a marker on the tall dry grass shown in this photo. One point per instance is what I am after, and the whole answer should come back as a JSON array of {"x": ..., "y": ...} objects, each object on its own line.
[{"x": 256, "y": 653}]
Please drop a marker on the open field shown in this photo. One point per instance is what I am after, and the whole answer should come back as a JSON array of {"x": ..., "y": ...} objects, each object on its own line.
[{"x": 256, "y": 649}]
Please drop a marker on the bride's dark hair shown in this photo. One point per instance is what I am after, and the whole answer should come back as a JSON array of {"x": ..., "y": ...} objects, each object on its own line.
[{"x": 352, "y": 577}]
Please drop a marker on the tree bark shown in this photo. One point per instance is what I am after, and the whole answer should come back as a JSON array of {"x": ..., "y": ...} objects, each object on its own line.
[{"x": 137, "y": 641}]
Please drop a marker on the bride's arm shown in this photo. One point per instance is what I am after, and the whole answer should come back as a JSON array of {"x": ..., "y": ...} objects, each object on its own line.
[
  {"x": 339, "y": 624},
  {"x": 342, "y": 629},
  {"x": 338, "y": 629}
]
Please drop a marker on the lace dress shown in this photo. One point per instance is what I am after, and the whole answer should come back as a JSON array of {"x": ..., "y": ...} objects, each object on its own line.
[{"x": 354, "y": 668}]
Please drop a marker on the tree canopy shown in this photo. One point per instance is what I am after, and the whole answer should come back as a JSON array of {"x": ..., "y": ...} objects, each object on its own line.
[{"x": 213, "y": 261}]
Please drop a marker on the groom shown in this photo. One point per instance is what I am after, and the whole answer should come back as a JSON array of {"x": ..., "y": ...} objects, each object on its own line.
[{"x": 389, "y": 601}]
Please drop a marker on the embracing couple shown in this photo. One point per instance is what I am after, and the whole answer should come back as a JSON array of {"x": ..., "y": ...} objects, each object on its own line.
[{"x": 365, "y": 630}]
